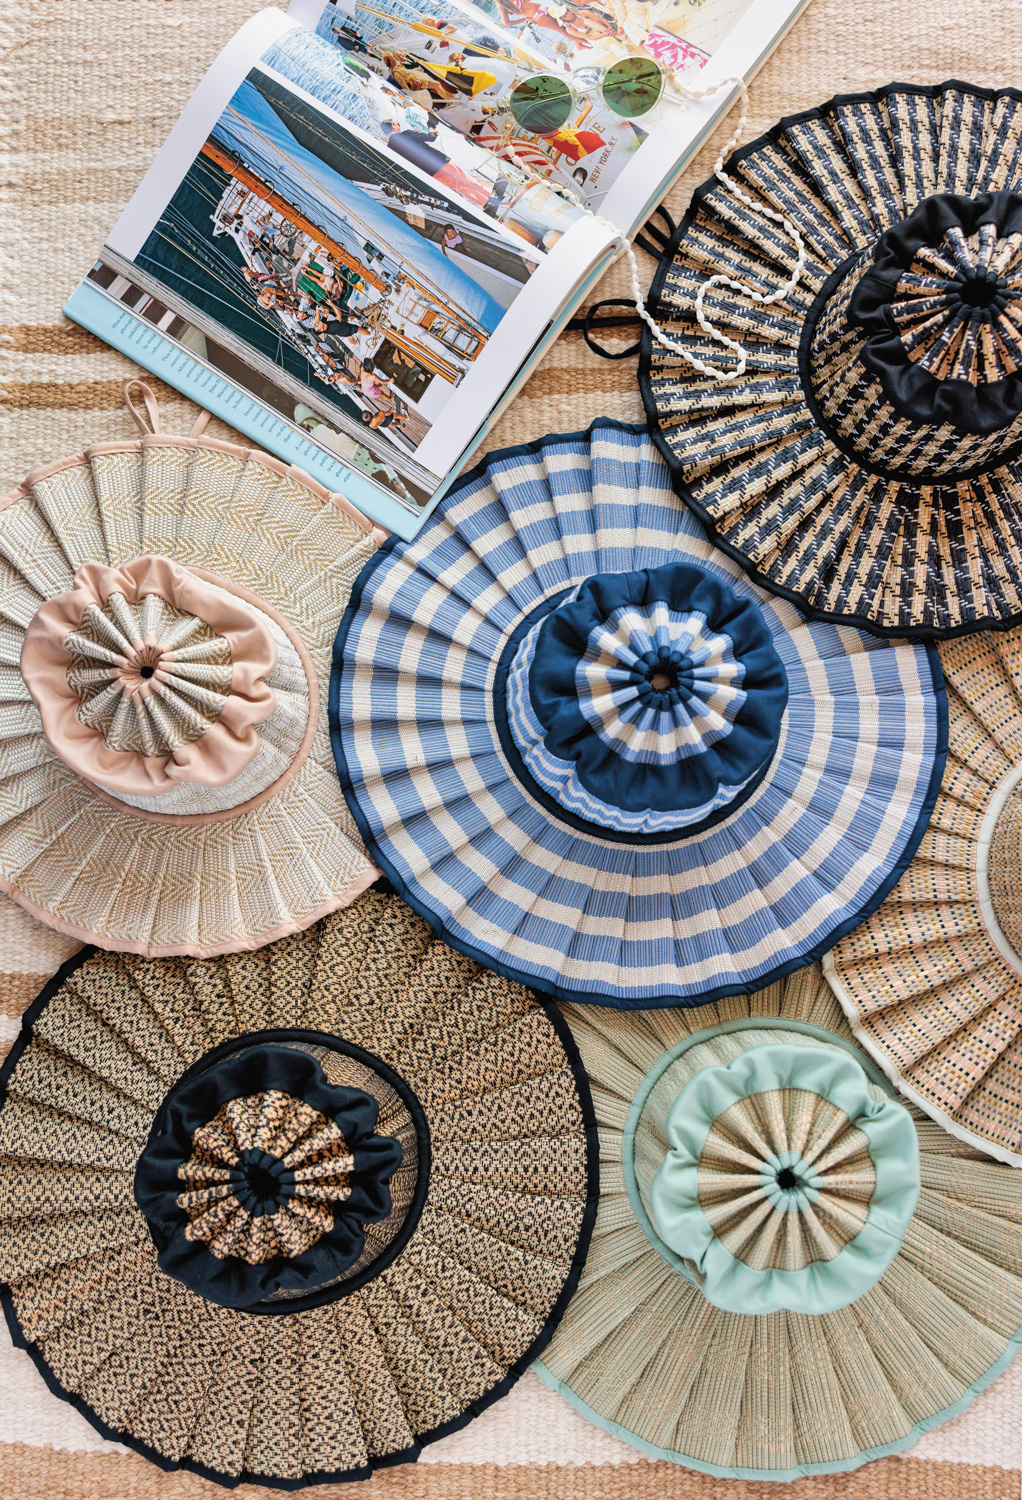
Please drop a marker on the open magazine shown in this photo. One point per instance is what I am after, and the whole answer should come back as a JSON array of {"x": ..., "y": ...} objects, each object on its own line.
[{"x": 353, "y": 246}]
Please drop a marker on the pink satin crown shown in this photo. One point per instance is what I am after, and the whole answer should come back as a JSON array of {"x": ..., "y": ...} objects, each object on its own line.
[{"x": 147, "y": 676}]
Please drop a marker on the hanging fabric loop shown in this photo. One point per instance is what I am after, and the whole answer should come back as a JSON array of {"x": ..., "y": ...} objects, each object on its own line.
[
  {"x": 656, "y": 243},
  {"x": 147, "y": 422},
  {"x": 652, "y": 232}
]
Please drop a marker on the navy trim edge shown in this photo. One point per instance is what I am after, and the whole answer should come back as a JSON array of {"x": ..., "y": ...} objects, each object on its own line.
[
  {"x": 405, "y": 1455},
  {"x": 556, "y": 992},
  {"x": 915, "y": 633}
]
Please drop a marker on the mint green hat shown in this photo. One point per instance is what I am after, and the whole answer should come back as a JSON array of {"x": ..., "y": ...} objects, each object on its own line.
[
  {"x": 789, "y": 1179},
  {"x": 792, "y": 1271}
]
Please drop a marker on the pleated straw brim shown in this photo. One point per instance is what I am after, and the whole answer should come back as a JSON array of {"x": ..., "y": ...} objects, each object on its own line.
[
  {"x": 645, "y": 1356},
  {"x": 146, "y": 879},
  {"x": 425, "y": 749},
  {"x": 932, "y": 983},
  {"x": 340, "y": 1389},
  {"x": 800, "y": 469}
]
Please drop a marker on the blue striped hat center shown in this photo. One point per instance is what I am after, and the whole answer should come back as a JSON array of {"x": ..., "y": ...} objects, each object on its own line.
[
  {"x": 656, "y": 684},
  {"x": 665, "y": 677},
  {"x": 648, "y": 700}
]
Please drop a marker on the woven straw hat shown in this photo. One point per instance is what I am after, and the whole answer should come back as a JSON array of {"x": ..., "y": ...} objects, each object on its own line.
[
  {"x": 598, "y": 759},
  {"x": 866, "y": 464},
  {"x": 169, "y": 606},
  {"x": 287, "y": 1216},
  {"x": 933, "y": 982},
  {"x": 791, "y": 1271}
]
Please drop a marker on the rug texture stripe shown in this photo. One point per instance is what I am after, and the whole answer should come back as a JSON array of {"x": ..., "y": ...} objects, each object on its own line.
[
  {"x": 33, "y": 1474},
  {"x": 88, "y": 91}
]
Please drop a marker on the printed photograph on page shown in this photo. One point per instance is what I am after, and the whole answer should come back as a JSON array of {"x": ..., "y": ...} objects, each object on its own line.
[
  {"x": 682, "y": 34},
  {"x": 307, "y": 221},
  {"x": 395, "y": 113},
  {"x": 570, "y": 91},
  {"x": 287, "y": 230}
]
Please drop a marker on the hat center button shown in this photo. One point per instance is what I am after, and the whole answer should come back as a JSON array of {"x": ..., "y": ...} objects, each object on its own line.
[
  {"x": 982, "y": 290},
  {"x": 263, "y": 1176},
  {"x": 665, "y": 678},
  {"x": 649, "y": 701}
]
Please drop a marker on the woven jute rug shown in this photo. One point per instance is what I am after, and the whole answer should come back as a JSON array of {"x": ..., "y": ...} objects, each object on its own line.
[{"x": 88, "y": 91}]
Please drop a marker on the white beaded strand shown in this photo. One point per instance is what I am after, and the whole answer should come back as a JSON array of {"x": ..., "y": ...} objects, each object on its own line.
[{"x": 764, "y": 299}]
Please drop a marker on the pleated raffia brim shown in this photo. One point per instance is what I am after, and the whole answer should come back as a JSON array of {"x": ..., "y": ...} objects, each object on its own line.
[
  {"x": 932, "y": 983},
  {"x": 412, "y": 1350},
  {"x": 643, "y": 1354},
  {"x": 205, "y": 869},
  {"x": 423, "y": 706},
  {"x": 802, "y": 469}
]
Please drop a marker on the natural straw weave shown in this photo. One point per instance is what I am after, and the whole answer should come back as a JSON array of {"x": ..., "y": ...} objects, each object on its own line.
[
  {"x": 933, "y": 982},
  {"x": 263, "y": 857},
  {"x": 90, "y": 92},
  {"x": 642, "y": 1352},
  {"x": 801, "y": 467},
  {"x": 456, "y": 1289}
]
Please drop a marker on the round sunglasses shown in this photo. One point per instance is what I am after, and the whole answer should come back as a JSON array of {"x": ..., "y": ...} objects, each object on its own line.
[{"x": 629, "y": 88}]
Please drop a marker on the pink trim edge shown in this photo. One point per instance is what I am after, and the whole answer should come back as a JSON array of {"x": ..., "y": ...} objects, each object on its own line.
[
  {"x": 180, "y": 950},
  {"x": 216, "y": 445},
  {"x": 186, "y": 820}
]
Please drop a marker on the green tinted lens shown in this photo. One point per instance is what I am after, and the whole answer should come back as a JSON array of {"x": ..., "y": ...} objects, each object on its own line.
[
  {"x": 633, "y": 86},
  {"x": 541, "y": 105}
]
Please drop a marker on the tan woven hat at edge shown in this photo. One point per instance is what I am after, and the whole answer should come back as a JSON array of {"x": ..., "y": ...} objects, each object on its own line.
[
  {"x": 932, "y": 982},
  {"x": 799, "y": 1282}
]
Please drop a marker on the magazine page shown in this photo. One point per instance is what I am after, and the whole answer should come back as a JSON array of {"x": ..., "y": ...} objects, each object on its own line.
[
  {"x": 740, "y": 35},
  {"x": 586, "y": 92},
  {"x": 467, "y": 74},
  {"x": 503, "y": 190},
  {"x": 364, "y": 287}
]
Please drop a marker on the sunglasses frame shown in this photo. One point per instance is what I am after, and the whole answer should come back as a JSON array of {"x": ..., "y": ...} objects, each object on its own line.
[{"x": 585, "y": 83}]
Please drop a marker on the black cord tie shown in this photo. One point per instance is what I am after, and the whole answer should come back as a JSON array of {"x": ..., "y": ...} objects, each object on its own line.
[{"x": 659, "y": 239}]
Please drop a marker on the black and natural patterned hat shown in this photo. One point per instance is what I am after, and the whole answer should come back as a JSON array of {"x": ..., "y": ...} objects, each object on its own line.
[
  {"x": 864, "y": 457},
  {"x": 287, "y": 1216}
]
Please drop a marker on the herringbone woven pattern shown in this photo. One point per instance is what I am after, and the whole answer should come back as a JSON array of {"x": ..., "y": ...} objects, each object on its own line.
[{"x": 245, "y": 863}]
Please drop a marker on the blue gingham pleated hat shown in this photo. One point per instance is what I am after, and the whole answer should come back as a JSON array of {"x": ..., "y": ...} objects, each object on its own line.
[{"x": 599, "y": 759}]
